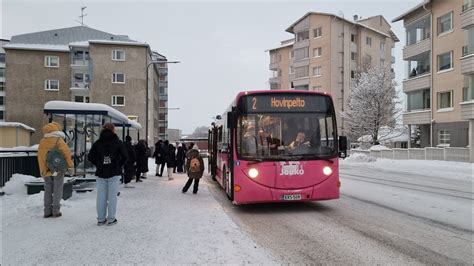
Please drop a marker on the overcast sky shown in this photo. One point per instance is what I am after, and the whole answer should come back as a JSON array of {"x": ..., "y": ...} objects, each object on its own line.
[{"x": 221, "y": 45}]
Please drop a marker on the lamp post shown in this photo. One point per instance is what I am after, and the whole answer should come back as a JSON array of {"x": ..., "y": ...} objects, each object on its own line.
[{"x": 147, "y": 89}]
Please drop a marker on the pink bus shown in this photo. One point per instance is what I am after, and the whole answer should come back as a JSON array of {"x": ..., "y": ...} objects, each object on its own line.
[{"x": 276, "y": 146}]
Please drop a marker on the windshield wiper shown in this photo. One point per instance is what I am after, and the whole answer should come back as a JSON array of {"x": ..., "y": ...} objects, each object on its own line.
[
  {"x": 316, "y": 157},
  {"x": 254, "y": 161}
]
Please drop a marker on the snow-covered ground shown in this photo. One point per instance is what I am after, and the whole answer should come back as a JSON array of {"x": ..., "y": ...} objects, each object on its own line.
[
  {"x": 157, "y": 224},
  {"x": 443, "y": 169}
]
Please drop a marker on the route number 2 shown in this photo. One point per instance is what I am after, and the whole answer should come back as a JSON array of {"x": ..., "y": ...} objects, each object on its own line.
[{"x": 254, "y": 103}]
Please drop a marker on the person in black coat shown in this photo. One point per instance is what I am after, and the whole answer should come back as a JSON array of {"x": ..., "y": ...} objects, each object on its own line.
[
  {"x": 180, "y": 157},
  {"x": 109, "y": 155},
  {"x": 164, "y": 156},
  {"x": 142, "y": 160},
  {"x": 157, "y": 156},
  {"x": 130, "y": 165},
  {"x": 170, "y": 160}
]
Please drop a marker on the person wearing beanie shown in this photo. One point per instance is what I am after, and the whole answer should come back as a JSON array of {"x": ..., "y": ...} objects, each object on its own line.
[{"x": 109, "y": 155}]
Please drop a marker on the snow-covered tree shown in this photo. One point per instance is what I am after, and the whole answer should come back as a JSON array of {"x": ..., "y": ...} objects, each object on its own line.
[
  {"x": 372, "y": 103},
  {"x": 200, "y": 132}
]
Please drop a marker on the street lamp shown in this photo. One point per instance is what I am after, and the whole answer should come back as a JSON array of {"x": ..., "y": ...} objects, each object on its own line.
[{"x": 147, "y": 89}]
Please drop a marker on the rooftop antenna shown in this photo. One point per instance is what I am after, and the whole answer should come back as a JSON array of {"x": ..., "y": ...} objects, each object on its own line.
[{"x": 81, "y": 17}]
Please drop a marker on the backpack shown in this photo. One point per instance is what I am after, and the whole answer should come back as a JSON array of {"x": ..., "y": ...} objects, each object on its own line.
[
  {"x": 55, "y": 160},
  {"x": 106, "y": 156},
  {"x": 195, "y": 165}
]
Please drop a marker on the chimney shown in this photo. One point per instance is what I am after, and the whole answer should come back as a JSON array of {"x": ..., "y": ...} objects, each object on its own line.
[{"x": 356, "y": 17}]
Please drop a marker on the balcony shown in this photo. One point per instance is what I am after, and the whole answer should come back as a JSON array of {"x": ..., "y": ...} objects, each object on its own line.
[
  {"x": 416, "y": 83},
  {"x": 353, "y": 47},
  {"x": 467, "y": 63},
  {"x": 417, "y": 117},
  {"x": 301, "y": 44},
  {"x": 300, "y": 82},
  {"x": 415, "y": 49},
  {"x": 467, "y": 110},
  {"x": 275, "y": 80},
  {"x": 467, "y": 17},
  {"x": 163, "y": 84},
  {"x": 162, "y": 71},
  {"x": 80, "y": 86},
  {"x": 80, "y": 63},
  {"x": 273, "y": 66}
]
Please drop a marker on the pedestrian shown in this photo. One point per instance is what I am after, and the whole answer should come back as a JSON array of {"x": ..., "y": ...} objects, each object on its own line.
[
  {"x": 54, "y": 158},
  {"x": 194, "y": 168},
  {"x": 142, "y": 160},
  {"x": 180, "y": 157},
  {"x": 109, "y": 155},
  {"x": 157, "y": 156},
  {"x": 130, "y": 165},
  {"x": 170, "y": 160},
  {"x": 164, "y": 156}
]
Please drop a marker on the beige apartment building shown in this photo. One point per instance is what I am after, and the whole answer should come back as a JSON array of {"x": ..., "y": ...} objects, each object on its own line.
[
  {"x": 82, "y": 64},
  {"x": 326, "y": 53},
  {"x": 439, "y": 72}
]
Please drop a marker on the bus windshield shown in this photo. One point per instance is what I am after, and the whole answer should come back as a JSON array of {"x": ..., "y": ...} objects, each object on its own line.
[{"x": 286, "y": 136}]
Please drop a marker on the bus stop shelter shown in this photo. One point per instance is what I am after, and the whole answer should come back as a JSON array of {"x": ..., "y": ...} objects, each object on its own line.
[{"x": 82, "y": 123}]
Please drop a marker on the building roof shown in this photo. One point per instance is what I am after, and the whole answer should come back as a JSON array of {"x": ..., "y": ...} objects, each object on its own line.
[
  {"x": 16, "y": 124},
  {"x": 65, "y": 36},
  {"x": 290, "y": 28},
  {"x": 281, "y": 46},
  {"x": 402, "y": 16}
]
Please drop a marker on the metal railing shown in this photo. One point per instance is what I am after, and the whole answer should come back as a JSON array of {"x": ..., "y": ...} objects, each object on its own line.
[
  {"x": 428, "y": 153},
  {"x": 18, "y": 162}
]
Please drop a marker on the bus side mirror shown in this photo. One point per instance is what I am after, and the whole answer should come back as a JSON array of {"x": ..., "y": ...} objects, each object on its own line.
[
  {"x": 342, "y": 146},
  {"x": 231, "y": 120}
]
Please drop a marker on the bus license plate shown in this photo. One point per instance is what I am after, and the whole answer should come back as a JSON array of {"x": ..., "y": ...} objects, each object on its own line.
[{"x": 291, "y": 197}]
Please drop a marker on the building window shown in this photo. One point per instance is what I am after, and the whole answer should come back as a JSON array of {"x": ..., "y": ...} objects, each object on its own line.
[
  {"x": 292, "y": 71},
  {"x": 2, "y": 72},
  {"x": 317, "y": 71},
  {"x": 274, "y": 86},
  {"x": 382, "y": 62},
  {"x": 80, "y": 79},
  {"x": 418, "y": 100},
  {"x": 301, "y": 72},
  {"x": 352, "y": 74},
  {"x": 445, "y": 23},
  {"x": 1, "y": 100},
  {"x": 368, "y": 41},
  {"x": 444, "y": 137},
  {"x": 317, "y": 52},
  {"x": 445, "y": 99},
  {"x": 317, "y": 88},
  {"x": 51, "y": 85},
  {"x": 301, "y": 36},
  {"x": 51, "y": 61},
  {"x": 2, "y": 116},
  {"x": 292, "y": 54},
  {"x": 318, "y": 32},
  {"x": 81, "y": 99},
  {"x": 382, "y": 46},
  {"x": 118, "y": 55},
  {"x": 81, "y": 55},
  {"x": 445, "y": 61},
  {"x": 468, "y": 89},
  {"x": 2, "y": 58},
  {"x": 353, "y": 56},
  {"x": 301, "y": 53},
  {"x": 118, "y": 78},
  {"x": 118, "y": 100},
  {"x": 353, "y": 37},
  {"x": 2, "y": 86},
  {"x": 162, "y": 117}
]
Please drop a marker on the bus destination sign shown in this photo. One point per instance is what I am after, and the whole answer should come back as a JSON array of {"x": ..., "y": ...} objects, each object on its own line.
[{"x": 284, "y": 103}]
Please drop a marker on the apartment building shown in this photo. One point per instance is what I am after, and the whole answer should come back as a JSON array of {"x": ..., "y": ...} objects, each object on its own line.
[
  {"x": 439, "y": 70},
  {"x": 80, "y": 64},
  {"x": 161, "y": 119},
  {"x": 326, "y": 53},
  {"x": 2, "y": 79}
]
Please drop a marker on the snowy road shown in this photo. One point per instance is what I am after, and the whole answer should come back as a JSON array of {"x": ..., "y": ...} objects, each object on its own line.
[{"x": 402, "y": 214}]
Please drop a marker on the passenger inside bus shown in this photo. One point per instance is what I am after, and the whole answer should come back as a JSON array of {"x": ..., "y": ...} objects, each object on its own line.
[{"x": 249, "y": 140}]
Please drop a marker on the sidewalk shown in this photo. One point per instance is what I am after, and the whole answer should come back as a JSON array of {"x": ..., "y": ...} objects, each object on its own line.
[{"x": 157, "y": 224}]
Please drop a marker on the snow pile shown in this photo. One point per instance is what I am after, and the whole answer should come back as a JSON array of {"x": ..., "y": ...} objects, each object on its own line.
[
  {"x": 360, "y": 158},
  {"x": 21, "y": 148},
  {"x": 16, "y": 184},
  {"x": 378, "y": 148}
]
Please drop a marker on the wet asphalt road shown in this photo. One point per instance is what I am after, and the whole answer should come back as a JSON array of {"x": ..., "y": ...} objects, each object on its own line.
[{"x": 359, "y": 229}]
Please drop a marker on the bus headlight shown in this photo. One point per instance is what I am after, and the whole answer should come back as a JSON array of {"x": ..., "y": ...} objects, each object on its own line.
[
  {"x": 327, "y": 170},
  {"x": 253, "y": 173}
]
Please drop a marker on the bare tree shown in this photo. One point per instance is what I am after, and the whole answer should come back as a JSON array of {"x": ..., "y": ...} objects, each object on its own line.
[
  {"x": 372, "y": 103},
  {"x": 200, "y": 132}
]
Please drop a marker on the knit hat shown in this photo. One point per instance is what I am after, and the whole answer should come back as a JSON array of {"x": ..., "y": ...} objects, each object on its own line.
[{"x": 109, "y": 126}]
